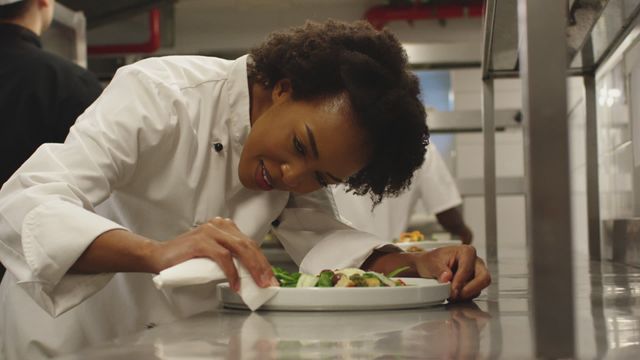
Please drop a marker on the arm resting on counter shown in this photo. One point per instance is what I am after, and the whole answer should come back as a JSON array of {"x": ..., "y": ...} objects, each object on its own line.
[
  {"x": 116, "y": 251},
  {"x": 385, "y": 262},
  {"x": 219, "y": 240}
]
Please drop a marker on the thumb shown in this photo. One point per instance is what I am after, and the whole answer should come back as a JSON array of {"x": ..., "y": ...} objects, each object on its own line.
[
  {"x": 440, "y": 271},
  {"x": 433, "y": 265},
  {"x": 445, "y": 275}
]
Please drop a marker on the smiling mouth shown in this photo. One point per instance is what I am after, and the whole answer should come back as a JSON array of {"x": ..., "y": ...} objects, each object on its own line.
[{"x": 263, "y": 178}]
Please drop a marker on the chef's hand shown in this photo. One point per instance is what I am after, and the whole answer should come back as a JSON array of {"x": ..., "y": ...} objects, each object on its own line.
[
  {"x": 460, "y": 265},
  {"x": 219, "y": 240}
]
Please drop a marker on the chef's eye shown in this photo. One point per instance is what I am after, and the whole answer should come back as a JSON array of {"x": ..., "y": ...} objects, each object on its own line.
[
  {"x": 297, "y": 145},
  {"x": 321, "y": 180}
]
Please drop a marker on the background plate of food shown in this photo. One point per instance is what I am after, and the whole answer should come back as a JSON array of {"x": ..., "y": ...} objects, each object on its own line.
[
  {"x": 414, "y": 241},
  {"x": 344, "y": 290}
]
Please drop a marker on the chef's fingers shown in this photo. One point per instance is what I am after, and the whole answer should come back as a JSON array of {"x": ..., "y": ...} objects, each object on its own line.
[
  {"x": 227, "y": 225},
  {"x": 254, "y": 260},
  {"x": 245, "y": 250},
  {"x": 465, "y": 258},
  {"x": 481, "y": 280},
  {"x": 434, "y": 264},
  {"x": 441, "y": 271},
  {"x": 223, "y": 257}
]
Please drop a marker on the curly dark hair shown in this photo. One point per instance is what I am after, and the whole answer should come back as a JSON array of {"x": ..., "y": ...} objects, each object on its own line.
[{"x": 329, "y": 58}]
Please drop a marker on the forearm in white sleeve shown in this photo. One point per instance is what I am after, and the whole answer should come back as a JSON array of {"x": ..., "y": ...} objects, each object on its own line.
[
  {"x": 311, "y": 232},
  {"x": 46, "y": 207},
  {"x": 436, "y": 187}
]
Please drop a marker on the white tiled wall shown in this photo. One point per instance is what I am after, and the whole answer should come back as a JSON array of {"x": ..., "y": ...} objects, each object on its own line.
[
  {"x": 466, "y": 86},
  {"x": 466, "y": 91}
]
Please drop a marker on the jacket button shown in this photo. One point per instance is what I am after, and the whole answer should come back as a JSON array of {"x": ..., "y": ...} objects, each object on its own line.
[
  {"x": 275, "y": 223},
  {"x": 218, "y": 147}
]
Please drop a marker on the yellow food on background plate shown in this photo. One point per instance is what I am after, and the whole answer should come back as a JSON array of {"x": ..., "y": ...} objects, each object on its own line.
[
  {"x": 408, "y": 237},
  {"x": 414, "y": 249}
]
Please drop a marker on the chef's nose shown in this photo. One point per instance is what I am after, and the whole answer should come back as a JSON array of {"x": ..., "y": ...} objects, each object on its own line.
[{"x": 291, "y": 175}]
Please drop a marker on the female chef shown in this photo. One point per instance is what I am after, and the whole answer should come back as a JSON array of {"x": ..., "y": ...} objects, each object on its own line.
[{"x": 191, "y": 156}]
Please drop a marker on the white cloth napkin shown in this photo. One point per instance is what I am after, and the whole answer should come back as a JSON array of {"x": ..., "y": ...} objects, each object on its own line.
[{"x": 202, "y": 270}]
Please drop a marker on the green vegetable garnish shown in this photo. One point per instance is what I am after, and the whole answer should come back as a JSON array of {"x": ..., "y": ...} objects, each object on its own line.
[
  {"x": 358, "y": 280},
  {"x": 325, "y": 279},
  {"x": 285, "y": 278},
  {"x": 397, "y": 271}
]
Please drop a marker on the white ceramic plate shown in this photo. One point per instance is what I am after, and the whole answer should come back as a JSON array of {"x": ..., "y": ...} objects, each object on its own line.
[
  {"x": 418, "y": 293},
  {"x": 429, "y": 244}
]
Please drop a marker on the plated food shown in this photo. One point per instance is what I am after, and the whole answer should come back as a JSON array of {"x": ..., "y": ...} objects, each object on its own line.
[
  {"x": 415, "y": 241},
  {"x": 417, "y": 293},
  {"x": 409, "y": 237},
  {"x": 347, "y": 289},
  {"x": 414, "y": 248},
  {"x": 341, "y": 278}
]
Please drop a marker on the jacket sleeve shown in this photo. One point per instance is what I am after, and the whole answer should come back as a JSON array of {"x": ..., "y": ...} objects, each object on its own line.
[
  {"x": 436, "y": 188},
  {"x": 316, "y": 238},
  {"x": 47, "y": 216}
]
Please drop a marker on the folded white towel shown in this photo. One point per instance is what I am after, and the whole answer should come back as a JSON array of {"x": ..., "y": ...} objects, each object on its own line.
[{"x": 203, "y": 270}]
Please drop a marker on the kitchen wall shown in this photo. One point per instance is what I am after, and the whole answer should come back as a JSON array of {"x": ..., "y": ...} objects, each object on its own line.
[{"x": 466, "y": 87}]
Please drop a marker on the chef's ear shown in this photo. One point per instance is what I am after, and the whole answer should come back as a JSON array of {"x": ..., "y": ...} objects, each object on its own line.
[{"x": 281, "y": 90}]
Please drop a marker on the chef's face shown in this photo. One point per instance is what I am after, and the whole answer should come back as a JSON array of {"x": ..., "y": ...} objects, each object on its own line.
[{"x": 300, "y": 146}]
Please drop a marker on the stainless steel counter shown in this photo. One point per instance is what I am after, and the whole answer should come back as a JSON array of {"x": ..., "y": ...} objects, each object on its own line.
[{"x": 496, "y": 325}]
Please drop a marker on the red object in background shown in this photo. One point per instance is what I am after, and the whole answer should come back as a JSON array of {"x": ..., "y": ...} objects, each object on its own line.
[
  {"x": 150, "y": 46},
  {"x": 380, "y": 15}
]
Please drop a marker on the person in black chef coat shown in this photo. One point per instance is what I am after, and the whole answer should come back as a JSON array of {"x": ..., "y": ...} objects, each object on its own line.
[{"x": 41, "y": 94}]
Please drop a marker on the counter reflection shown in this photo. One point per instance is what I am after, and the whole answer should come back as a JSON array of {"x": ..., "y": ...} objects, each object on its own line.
[{"x": 441, "y": 332}]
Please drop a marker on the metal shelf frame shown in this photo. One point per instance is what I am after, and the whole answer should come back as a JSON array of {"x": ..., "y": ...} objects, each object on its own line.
[{"x": 537, "y": 40}]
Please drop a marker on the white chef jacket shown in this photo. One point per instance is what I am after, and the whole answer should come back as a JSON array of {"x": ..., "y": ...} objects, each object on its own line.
[
  {"x": 432, "y": 185},
  {"x": 141, "y": 158}
]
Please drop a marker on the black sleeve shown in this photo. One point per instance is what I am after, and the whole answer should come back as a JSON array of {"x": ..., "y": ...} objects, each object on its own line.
[{"x": 80, "y": 92}]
